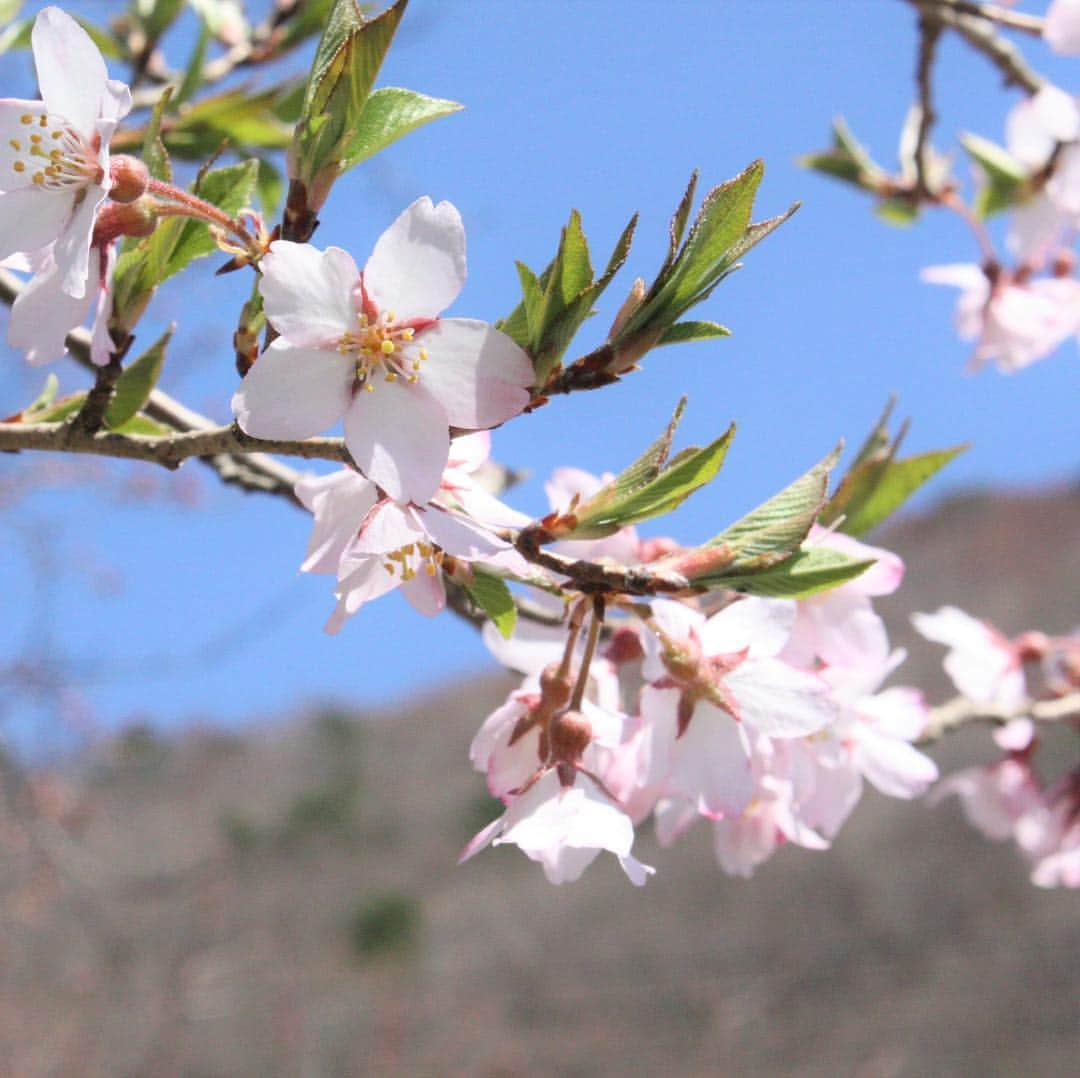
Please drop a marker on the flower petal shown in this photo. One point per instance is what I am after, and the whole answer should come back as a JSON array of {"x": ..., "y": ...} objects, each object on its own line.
[
  {"x": 307, "y": 293},
  {"x": 71, "y": 73},
  {"x": 31, "y": 218},
  {"x": 778, "y": 700},
  {"x": 478, "y": 374},
  {"x": 72, "y": 248},
  {"x": 293, "y": 392},
  {"x": 418, "y": 266},
  {"x": 399, "y": 438},
  {"x": 42, "y": 316}
]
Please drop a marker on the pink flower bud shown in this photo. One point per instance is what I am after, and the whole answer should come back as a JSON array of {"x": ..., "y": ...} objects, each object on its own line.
[
  {"x": 568, "y": 737},
  {"x": 130, "y": 178}
]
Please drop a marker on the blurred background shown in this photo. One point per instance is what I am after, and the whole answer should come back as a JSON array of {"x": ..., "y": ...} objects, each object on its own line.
[{"x": 228, "y": 841}]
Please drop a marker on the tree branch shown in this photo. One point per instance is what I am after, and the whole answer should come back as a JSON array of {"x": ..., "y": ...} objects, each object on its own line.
[
  {"x": 960, "y": 711},
  {"x": 251, "y": 471},
  {"x": 930, "y": 30}
]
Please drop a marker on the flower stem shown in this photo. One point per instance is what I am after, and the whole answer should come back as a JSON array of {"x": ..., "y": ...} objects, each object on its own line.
[{"x": 590, "y": 650}]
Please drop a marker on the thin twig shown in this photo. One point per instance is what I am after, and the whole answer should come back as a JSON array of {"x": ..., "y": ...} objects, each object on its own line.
[
  {"x": 960, "y": 711},
  {"x": 930, "y": 30},
  {"x": 979, "y": 33},
  {"x": 1011, "y": 20}
]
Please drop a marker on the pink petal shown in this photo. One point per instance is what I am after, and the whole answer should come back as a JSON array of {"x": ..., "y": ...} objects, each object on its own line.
[
  {"x": 418, "y": 266},
  {"x": 762, "y": 625},
  {"x": 399, "y": 438},
  {"x": 711, "y": 764},
  {"x": 1061, "y": 30},
  {"x": 425, "y": 594},
  {"x": 71, "y": 73},
  {"x": 479, "y": 375},
  {"x": 307, "y": 293},
  {"x": 461, "y": 537},
  {"x": 293, "y": 392}
]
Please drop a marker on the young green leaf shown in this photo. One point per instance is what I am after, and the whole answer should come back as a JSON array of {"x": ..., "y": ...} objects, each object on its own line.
[
  {"x": 491, "y": 594},
  {"x": 683, "y": 332},
  {"x": 134, "y": 386},
  {"x": 804, "y": 573},
  {"x": 389, "y": 114}
]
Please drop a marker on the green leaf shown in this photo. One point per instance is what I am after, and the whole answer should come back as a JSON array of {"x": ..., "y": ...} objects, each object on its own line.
[
  {"x": 891, "y": 487},
  {"x": 44, "y": 399},
  {"x": 137, "y": 382},
  {"x": 723, "y": 218},
  {"x": 389, "y": 114},
  {"x": 154, "y": 154},
  {"x": 61, "y": 409},
  {"x": 157, "y": 16},
  {"x": 491, "y": 594},
  {"x": 677, "y": 228},
  {"x": 804, "y": 573},
  {"x": 141, "y": 424},
  {"x": 348, "y": 58},
  {"x": 269, "y": 185},
  {"x": 693, "y": 331},
  {"x": 1006, "y": 177},
  {"x": 897, "y": 211},
  {"x": 649, "y": 465},
  {"x": 9, "y": 10},
  {"x": 775, "y": 530},
  {"x": 243, "y": 118},
  {"x": 611, "y": 509}
]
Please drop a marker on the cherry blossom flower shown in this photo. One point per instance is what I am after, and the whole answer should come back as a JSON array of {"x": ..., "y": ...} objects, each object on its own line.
[
  {"x": 1061, "y": 27},
  {"x": 54, "y": 153},
  {"x": 993, "y": 798},
  {"x": 1014, "y": 323},
  {"x": 370, "y": 348},
  {"x": 564, "y": 828},
  {"x": 982, "y": 663},
  {"x": 716, "y": 685}
]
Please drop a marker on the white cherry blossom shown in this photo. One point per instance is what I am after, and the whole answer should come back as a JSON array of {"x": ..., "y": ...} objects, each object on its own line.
[
  {"x": 54, "y": 153},
  {"x": 371, "y": 349}
]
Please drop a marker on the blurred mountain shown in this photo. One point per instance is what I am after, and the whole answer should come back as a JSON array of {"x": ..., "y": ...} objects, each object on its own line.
[{"x": 286, "y": 901}]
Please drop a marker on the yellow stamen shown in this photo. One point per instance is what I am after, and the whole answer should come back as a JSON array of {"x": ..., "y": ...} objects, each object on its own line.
[
  {"x": 387, "y": 348},
  {"x": 26, "y": 118},
  {"x": 19, "y": 166},
  {"x": 391, "y": 376},
  {"x": 38, "y": 178},
  {"x": 43, "y": 121},
  {"x": 15, "y": 144},
  {"x": 369, "y": 387}
]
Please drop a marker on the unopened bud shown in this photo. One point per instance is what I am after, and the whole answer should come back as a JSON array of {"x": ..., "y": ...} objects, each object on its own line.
[
  {"x": 555, "y": 687},
  {"x": 124, "y": 219},
  {"x": 569, "y": 736},
  {"x": 629, "y": 305},
  {"x": 624, "y": 646},
  {"x": 130, "y": 178},
  {"x": 1064, "y": 264}
]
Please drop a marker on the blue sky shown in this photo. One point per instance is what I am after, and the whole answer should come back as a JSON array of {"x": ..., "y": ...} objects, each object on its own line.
[{"x": 606, "y": 107}]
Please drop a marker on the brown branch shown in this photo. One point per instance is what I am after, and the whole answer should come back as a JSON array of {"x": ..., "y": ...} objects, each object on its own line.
[
  {"x": 978, "y": 31},
  {"x": 168, "y": 450},
  {"x": 960, "y": 711},
  {"x": 252, "y": 471},
  {"x": 1011, "y": 20},
  {"x": 930, "y": 30}
]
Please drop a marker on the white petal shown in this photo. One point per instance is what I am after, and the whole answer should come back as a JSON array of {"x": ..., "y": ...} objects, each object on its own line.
[
  {"x": 71, "y": 73},
  {"x": 398, "y": 436},
  {"x": 778, "y": 700},
  {"x": 762, "y": 625},
  {"x": 30, "y": 218},
  {"x": 1061, "y": 29},
  {"x": 711, "y": 764},
  {"x": 965, "y": 275},
  {"x": 293, "y": 392},
  {"x": 425, "y": 594},
  {"x": 418, "y": 266},
  {"x": 340, "y": 502},
  {"x": 479, "y": 375},
  {"x": 894, "y": 767},
  {"x": 72, "y": 248},
  {"x": 307, "y": 293},
  {"x": 43, "y": 315}
]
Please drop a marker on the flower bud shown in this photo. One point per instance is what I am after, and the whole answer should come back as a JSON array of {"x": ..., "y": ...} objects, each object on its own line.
[
  {"x": 555, "y": 687},
  {"x": 569, "y": 736},
  {"x": 130, "y": 178},
  {"x": 124, "y": 219}
]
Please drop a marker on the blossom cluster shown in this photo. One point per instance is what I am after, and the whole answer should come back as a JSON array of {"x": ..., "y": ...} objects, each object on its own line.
[
  {"x": 1022, "y": 312},
  {"x": 1009, "y": 799}
]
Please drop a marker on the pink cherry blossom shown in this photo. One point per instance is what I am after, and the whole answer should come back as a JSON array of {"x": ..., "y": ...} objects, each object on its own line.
[
  {"x": 1014, "y": 323},
  {"x": 993, "y": 798},
  {"x": 1061, "y": 28},
  {"x": 716, "y": 686},
  {"x": 370, "y": 348},
  {"x": 982, "y": 663},
  {"x": 564, "y": 828},
  {"x": 54, "y": 153}
]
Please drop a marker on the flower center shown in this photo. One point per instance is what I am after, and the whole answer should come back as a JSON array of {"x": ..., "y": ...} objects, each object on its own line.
[
  {"x": 378, "y": 346},
  {"x": 53, "y": 155},
  {"x": 416, "y": 557}
]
